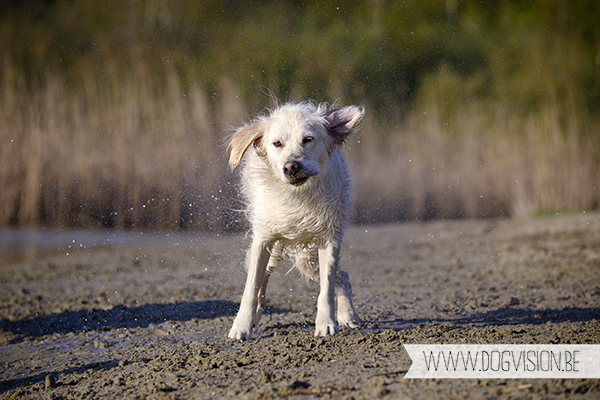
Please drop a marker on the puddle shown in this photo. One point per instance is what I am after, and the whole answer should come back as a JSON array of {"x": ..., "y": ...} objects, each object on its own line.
[{"x": 18, "y": 245}]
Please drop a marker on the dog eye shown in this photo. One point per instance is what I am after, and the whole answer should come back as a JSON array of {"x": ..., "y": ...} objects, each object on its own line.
[
  {"x": 277, "y": 143},
  {"x": 308, "y": 139}
]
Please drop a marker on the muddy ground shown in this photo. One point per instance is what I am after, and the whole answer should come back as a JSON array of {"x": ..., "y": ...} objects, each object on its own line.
[{"x": 149, "y": 319}]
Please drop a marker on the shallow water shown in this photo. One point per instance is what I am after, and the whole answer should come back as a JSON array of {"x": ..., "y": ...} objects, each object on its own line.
[{"x": 18, "y": 245}]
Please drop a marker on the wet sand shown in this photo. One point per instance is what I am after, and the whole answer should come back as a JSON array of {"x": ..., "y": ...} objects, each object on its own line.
[{"x": 149, "y": 320}]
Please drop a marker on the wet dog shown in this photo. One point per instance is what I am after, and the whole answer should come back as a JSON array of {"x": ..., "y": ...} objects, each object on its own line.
[{"x": 296, "y": 184}]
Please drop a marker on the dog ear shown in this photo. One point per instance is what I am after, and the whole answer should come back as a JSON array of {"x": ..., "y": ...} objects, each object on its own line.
[
  {"x": 343, "y": 121},
  {"x": 241, "y": 140}
]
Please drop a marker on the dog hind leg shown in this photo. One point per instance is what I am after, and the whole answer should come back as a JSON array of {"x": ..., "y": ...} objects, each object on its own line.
[{"x": 346, "y": 314}]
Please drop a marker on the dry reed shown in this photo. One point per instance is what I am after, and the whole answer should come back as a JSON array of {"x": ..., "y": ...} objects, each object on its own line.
[
  {"x": 130, "y": 155},
  {"x": 127, "y": 158},
  {"x": 479, "y": 165}
]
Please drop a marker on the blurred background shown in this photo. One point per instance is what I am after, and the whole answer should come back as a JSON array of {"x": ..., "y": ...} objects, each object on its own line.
[{"x": 114, "y": 114}]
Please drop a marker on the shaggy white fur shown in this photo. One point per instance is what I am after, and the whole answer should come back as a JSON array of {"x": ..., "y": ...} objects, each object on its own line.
[{"x": 296, "y": 184}]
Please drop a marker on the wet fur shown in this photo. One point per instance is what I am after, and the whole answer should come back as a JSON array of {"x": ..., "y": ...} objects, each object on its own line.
[{"x": 296, "y": 184}]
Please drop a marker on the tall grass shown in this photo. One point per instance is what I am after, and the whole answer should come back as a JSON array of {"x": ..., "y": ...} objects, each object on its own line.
[
  {"x": 134, "y": 154},
  {"x": 119, "y": 156},
  {"x": 479, "y": 165}
]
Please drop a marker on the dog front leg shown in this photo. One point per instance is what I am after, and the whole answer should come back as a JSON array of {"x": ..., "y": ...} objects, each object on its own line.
[
  {"x": 262, "y": 300},
  {"x": 257, "y": 265},
  {"x": 328, "y": 263}
]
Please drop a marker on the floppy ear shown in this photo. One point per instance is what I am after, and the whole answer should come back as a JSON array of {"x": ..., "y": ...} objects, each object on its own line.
[
  {"x": 241, "y": 140},
  {"x": 343, "y": 121}
]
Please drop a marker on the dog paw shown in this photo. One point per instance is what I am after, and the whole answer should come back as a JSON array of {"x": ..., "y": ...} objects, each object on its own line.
[
  {"x": 239, "y": 334},
  {"x": 349, "y": 319},
  {"x": 325, "y": 329}
]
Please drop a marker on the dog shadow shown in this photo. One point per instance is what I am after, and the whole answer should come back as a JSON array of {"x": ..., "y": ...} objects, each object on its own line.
[{"x": 120, "y": 317}]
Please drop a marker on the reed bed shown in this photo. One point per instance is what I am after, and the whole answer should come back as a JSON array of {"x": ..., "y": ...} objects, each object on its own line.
[
  {"x": 119, "y": 157},
  {"x": 480, "y": 165},
  {"x": 127, "y": 154}
]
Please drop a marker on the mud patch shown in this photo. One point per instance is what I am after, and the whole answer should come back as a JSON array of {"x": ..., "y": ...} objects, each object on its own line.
[{"x": 149, "y": 321}]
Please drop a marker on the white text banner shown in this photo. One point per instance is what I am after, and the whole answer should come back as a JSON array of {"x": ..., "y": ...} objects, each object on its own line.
[{"x": 546, "y": 361}]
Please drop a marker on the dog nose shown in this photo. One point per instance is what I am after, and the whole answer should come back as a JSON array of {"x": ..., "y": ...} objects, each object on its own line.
[{"x": 291, "y": 167}]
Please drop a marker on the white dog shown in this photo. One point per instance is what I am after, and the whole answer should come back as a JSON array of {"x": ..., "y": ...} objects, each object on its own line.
[{"x": 296, "y": 184}]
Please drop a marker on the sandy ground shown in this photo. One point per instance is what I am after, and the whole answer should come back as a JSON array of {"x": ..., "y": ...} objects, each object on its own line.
[{"x": 149, "y": 319}]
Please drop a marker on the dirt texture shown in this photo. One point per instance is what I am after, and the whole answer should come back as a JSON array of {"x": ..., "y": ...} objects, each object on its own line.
[{"x": 150, "y": 319}]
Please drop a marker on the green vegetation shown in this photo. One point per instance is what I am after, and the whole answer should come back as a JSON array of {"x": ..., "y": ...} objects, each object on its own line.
[{"x": 114, "y": 113}]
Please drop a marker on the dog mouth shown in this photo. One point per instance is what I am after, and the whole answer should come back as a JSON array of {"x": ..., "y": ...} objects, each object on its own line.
[
  {"x": 295, "y": 173},
  {"x": 298, "y": 180}
]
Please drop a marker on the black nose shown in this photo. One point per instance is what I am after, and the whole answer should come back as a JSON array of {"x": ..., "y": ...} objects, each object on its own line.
[{"x": 291, "y": 167}]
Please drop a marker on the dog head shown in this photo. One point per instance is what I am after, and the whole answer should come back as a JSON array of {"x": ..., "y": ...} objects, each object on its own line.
[{"x": 296, "y": 139}]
